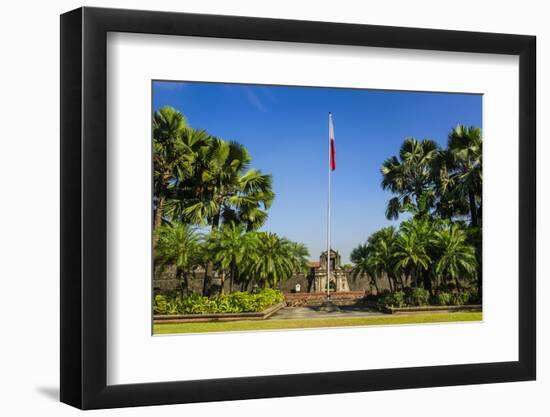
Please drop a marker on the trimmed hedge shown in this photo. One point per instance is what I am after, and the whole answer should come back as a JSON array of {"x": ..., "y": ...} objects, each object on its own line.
[
  {"x": 417, "y": 297},
  {"x": 239, "y": 302}
]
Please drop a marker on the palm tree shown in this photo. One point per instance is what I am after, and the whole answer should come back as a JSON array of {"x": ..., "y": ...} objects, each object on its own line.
[
  {"x": 273, "y": 260},
  {"x": 410, "y": 254},
  {"x": 408, "y": 175},
  {"x": 361, "y": 257},
  {"x": 382, "y": 254},
  {"x": 201, "y": 257},
  {"x": 188, "y": 185},
  {"x": 177, "y": 245},
  {"x": 422, "y": 231},
  {"x": 448, "y": 205},
  {"x": 170, "y": 157},
  {"x": 465, "y": 148},
  {"x": 226, "y": 190},
  {"x": 230, "y": 245},
  {"x": 456, "y": 258},
  {"x": 300, "y": 257}
]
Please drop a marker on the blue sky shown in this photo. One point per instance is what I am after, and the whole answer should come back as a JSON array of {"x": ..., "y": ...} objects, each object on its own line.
[{"x": 285, "y": 130}]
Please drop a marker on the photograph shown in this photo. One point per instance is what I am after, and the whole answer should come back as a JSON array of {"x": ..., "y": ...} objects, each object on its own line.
[
  {"x": 275, "y": 209},
  {"x": 289, "y": 207}
]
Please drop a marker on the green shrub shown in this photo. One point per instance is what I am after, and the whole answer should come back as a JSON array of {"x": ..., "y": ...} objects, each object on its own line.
[
  {"x": 418, "y": 297},
  {"x": 443, "y": 299},
  {"x": 395, "y": 299},
  {"x": 458, "y": 299},
  {"x": 161, "y": 304},
  {"x": 239, "y": 302},
  {"x": 469, "y": 297},
  {"x": 466, "y": 296},
  {"x": 472, "y": 297}
]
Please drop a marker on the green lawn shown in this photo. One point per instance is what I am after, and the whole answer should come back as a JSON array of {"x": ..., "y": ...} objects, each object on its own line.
[{"x": 233, "y": 326}]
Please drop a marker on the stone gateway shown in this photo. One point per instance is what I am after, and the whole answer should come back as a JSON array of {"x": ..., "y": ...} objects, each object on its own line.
[{"x": 337, "y": 281}]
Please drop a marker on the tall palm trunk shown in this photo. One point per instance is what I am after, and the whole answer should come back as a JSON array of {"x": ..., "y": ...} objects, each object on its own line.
[
  {"x": 186, "y": 283},
  {"x": 231, "y": 278},
  {"x": 222, "y": 281},
  {"x": 207, "y": 284},
  {"x": 458, "y": 286},
  {"x": 479, "y": 271},
  {"x": 402, "y": 282},
  {"x": 375, "y": 284},
  {"x": 427, "y": 282},
  {"x": 159, "y": 212},
  {"x": 474, "y": 218},
  {"x": 394, "y": 282},
  {"x": 209, "y": 289},
  {"x": 180, "y": 275},
  {"x": 473, "y": 208}
]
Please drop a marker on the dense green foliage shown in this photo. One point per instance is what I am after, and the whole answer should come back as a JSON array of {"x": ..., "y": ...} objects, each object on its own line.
[
  {"x": 209, "y": 204},
  {"x": 393, "y": 299},
  {"x": 439, "y": 189},
  {"x": 179, "y": 245},
  {"x": 202, "y": 179},
  {"x": 418, "y": 297},
  {"x": 238, "y": 302}
]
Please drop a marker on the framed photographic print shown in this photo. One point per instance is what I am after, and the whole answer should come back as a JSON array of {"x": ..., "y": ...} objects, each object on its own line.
[{"x": 258, "y": 208}]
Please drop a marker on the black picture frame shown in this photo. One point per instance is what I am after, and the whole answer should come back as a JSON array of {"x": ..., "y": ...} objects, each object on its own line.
[{"x": 84, "y": 207}]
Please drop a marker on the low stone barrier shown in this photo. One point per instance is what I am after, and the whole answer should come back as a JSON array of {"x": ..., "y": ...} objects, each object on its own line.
[
  {"x": 197, "y": 318},
  {"x": 317, "y": 298},
  {"x": 432, "y": 309}
]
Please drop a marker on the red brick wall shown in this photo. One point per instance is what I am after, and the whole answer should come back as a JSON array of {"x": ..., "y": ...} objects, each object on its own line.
[{"x": 299, "y": 299}]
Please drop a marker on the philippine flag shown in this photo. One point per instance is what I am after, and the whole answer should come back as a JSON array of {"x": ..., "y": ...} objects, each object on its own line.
[{"x": 332, "y": 144}]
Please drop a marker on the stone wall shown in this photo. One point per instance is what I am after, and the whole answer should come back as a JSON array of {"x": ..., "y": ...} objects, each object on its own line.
[
  {"x": 363, "y": 282},
  {"x": 166, "y": 281},
  {"x": 318, "y": 298},
  {"x": 304, "y": 281}
]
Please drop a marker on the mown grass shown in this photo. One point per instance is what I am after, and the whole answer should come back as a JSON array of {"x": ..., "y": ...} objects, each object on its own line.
[{"x": 235, "y": 326}]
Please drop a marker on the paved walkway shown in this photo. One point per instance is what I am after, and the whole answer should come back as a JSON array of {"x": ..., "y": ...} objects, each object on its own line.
[{"x": 316, "y": 313}]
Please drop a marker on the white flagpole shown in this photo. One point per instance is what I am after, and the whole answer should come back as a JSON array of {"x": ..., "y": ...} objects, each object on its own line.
[{"x": 328, "y": 203}]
